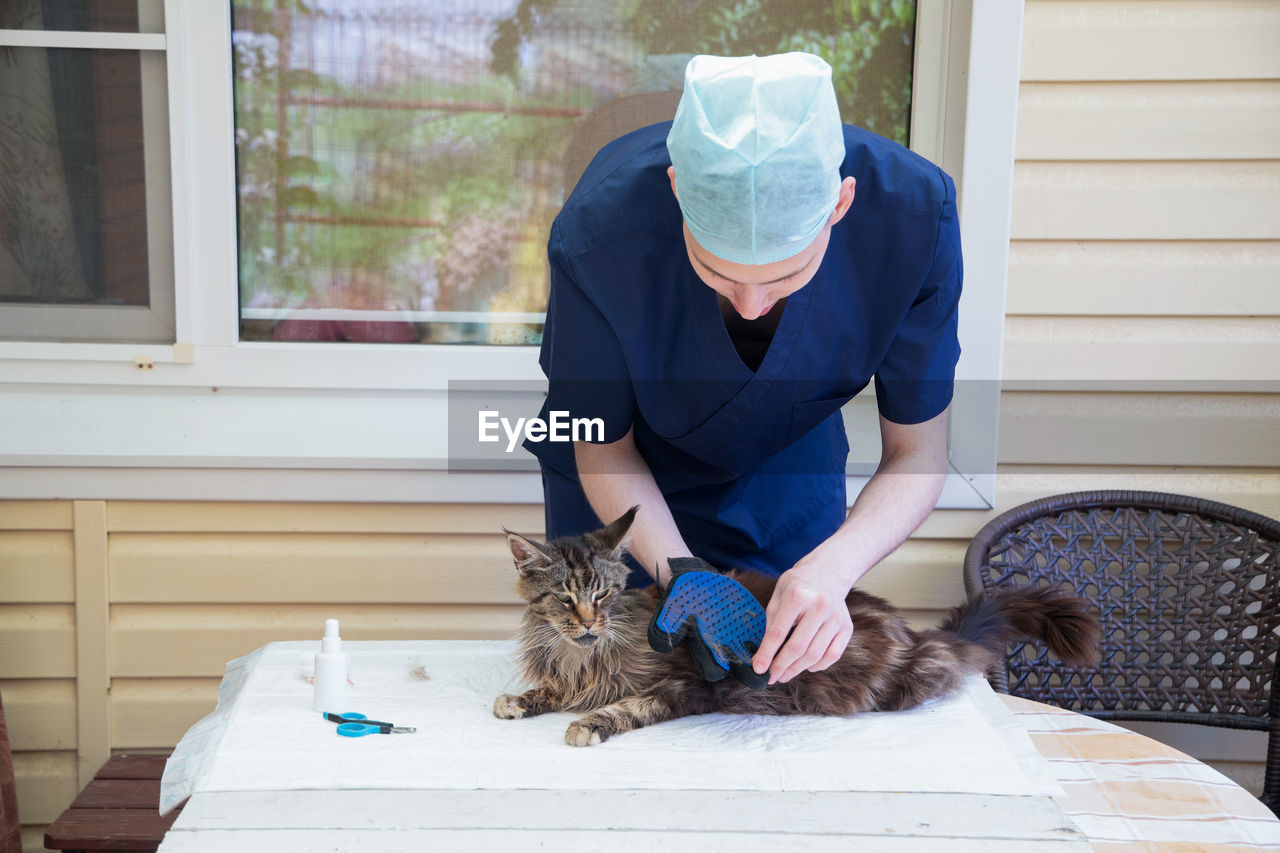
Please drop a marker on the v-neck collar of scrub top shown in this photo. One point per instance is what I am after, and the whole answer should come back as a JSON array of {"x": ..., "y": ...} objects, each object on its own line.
[
  {"x": 728, "y": 364},
  {"x": 719, "y": 439}
]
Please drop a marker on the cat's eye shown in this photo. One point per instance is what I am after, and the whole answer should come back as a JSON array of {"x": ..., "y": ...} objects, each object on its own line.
[
  {"x": 601, "y": 596},
  {"x": 566, "y": 600}
]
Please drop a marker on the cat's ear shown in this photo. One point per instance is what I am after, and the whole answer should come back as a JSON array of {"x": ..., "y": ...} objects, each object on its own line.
[
  {"x": 609, "y": 542},
  {"x": 529, "y": 555}
]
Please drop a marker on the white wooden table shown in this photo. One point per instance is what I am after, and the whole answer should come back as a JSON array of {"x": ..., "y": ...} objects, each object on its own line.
[
  {"x": 1130, "y": 793},
  {"x": 452, "y": 810},
  {"x": 571, "y": 821},
  {"x": 1123, "y": 792}
]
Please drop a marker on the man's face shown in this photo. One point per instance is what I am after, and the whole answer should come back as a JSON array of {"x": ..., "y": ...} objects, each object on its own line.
[{"x": 753, "y": 289}]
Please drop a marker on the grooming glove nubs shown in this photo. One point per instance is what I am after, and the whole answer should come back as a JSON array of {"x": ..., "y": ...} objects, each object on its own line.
[{"x": 715, "y": 616}]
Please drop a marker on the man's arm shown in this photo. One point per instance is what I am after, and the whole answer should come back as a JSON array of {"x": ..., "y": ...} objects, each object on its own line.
[
  {"x": 615, "y": 478},
  {"x": 810, "y": 596}
]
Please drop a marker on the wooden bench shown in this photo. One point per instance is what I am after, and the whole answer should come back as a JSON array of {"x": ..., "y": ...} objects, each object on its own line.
[{"x": 118, "y": 810}]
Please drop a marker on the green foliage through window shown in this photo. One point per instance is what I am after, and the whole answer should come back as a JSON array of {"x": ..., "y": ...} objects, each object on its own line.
[{"x": 409, "y": 158}]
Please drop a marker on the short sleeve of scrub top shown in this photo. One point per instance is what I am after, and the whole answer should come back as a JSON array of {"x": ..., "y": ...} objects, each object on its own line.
[
  {"x": 582, "y": 353},
  {"x": 914, "y": 381}
]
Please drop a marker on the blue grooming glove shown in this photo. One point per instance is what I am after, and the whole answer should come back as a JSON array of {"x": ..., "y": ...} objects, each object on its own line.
[{"x": 715, "y": 616}]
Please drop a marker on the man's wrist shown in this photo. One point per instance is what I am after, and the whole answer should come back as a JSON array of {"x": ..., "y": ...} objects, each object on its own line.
[
  {"x": 658, "y": 567},
  {"x": 839, "y": 559},
  {"x": 662, "y": 573}
]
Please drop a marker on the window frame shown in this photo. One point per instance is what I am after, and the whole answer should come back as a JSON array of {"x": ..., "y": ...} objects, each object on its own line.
[
  {"x": 155, "y": 320},
  {"x": 374, "y": 414}
]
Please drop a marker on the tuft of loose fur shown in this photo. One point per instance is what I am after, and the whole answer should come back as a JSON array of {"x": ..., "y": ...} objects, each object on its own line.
[{"x": 583, "y": 646}]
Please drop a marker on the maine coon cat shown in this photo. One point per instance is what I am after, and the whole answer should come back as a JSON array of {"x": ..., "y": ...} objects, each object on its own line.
[{"x": 583, "y": 646}]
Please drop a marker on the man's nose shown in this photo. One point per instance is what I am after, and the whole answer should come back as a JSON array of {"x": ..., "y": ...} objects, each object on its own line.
[{"x": 750, "y": 302}]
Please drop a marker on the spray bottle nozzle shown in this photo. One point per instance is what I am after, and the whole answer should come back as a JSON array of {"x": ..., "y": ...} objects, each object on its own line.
[{"x": 332, "y": 643}]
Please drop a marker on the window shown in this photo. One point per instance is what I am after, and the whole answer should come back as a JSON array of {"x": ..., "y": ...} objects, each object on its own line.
[
  {"x": 206, "y": 411},
  {"x": 84, "y": 186},
  {"x": 399, "y": 164}
]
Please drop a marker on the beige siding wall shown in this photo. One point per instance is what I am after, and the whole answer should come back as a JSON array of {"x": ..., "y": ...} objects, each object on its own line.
[
  {"x": 1144, "y": 270},
  {"x": 38, "y": 656},
  {"x": 1146, "y": 246},
  {"x": 153, "y": 598},
  {"x": 117, "y": 618},
  {"x": 1145, "y": 261}
]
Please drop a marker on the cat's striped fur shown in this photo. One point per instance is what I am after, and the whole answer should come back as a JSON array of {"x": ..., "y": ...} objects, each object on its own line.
[{"x": 584, "y": 648}]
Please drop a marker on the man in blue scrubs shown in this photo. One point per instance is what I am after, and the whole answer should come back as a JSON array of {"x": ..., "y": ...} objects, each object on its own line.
[{"x": 720, "y": 286}]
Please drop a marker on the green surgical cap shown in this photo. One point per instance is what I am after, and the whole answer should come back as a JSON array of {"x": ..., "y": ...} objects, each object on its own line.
[{"x": 757, "y": 147}]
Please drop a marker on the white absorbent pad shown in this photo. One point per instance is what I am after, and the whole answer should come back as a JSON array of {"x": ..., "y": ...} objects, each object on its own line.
[{"x": 263, "y": 735}]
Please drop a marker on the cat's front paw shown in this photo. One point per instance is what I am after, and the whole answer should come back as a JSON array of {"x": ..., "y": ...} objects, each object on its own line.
[
  {"x": 508, "y": 707},
  {"x": 583, "y": 733}
]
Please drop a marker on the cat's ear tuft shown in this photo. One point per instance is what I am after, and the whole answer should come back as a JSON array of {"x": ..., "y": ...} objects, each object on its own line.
[
  {"x": 610, "y": 542},
  {"x": 529, "y": 555}
]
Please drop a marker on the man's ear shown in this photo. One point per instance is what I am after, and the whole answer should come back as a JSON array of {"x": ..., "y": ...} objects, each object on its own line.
[
  {"x": 529, "y": 556},
  {"x": 844, "y": 202},
  {"x": 671, "y": 176},
  {"x": 610, "y": 541}
]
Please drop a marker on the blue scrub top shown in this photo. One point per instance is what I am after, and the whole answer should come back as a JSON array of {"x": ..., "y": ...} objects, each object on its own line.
[{"x": 751, "y": 463}]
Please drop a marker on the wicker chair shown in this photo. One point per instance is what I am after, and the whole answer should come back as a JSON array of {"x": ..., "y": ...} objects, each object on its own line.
[{"x": 1189, "y": 597}]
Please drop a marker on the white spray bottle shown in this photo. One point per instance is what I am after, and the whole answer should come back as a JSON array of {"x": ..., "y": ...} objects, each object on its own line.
[{"x": 331, "y": 672}]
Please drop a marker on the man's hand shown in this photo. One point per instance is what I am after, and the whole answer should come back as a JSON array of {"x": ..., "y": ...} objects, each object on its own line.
[
  {"x": 809, "y": 597},
  {"x": 809, "y": 603}
]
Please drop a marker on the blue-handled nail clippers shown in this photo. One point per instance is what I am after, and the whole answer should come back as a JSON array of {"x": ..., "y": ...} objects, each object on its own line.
[{"x": 352, "y": 724}]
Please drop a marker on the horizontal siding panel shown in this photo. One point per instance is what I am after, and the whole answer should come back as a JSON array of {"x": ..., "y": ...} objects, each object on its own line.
[
  {"x": 156, "y": 713},
  {"x": 1208, "y": 743},
  {"x": 954, "y": 523},
  {"x": 1248, "y": 774},
  {"x": 35, "y": 515},
  {"x": 153, "y": 640},
  {"x": 922, "y": 620},
  {"x": 260, "y": 568},
  {"x": 1255, "y": 489},
  {"x": 231, "y": 517},
  {"x": 1146, "y": 201},
  {"x": 1151, "y": 40},
  {"x": 46, "y": 783},
  {"x": 33, "y": 836},
  {"x": 1149, "y": 121},
  {"x": 1186, "y": 352},
  {"x": 920, "y": 575},
  {"x": 1139, "y": 429},
  {"x": 37, "y": 641},
  {"x": 1204, "y": 278},
  {"x": 311, "y": 567},
  {"x": 37, "y": 566},
  {"x": 247, "y": 517},
  {"x": 40, "y": 713}
]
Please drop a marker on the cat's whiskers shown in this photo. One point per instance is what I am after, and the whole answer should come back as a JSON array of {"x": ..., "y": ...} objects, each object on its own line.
[
  {"x": 543, "y": 629},
  {"x": 539, "y": 642}
]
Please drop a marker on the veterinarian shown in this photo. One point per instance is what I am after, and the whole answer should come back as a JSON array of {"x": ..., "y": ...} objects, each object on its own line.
[{"x": 720, "y": 286}]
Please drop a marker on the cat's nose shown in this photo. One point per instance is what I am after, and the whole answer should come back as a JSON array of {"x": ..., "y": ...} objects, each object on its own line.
[{"x": 587, "y": 623}]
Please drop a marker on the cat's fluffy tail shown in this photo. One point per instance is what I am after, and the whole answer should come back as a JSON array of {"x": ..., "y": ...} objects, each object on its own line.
[{"x": 1060, "y": 621}]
